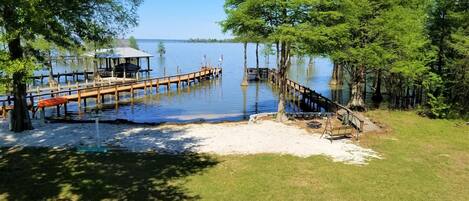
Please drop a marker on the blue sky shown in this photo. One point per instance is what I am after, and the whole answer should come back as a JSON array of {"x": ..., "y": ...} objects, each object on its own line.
[{"x": 180, "y": 19}]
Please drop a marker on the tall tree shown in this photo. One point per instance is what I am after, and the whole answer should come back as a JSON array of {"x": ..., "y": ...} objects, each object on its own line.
[
  {"x": 133, "y": 42},
  {"x": 65, "y": 23},
  {"x": 267, "y": 51},
  {"x": 161, "y": 49},
  {"x": 448, "y": 28},
  {"x": 271, "y": 19}
]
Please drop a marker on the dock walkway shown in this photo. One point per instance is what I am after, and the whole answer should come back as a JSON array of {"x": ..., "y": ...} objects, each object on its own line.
[
  {"x": 315, "y": 101},
  {"x": 80, "y": 95}
]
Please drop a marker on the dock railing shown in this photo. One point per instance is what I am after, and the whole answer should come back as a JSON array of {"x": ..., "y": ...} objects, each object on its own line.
[
  {"x": 6, "y": 102},
  {"x": 348, "y": 117}
]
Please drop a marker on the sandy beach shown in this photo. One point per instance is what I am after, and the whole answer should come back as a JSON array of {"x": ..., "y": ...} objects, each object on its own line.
[{"x": 240, "y": 138}]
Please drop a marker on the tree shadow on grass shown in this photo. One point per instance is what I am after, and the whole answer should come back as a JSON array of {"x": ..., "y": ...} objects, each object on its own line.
[{"x": 42, "y": 173}]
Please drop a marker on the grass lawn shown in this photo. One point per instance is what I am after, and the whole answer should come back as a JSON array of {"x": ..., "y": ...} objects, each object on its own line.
[{"x": 423, "y": 159}]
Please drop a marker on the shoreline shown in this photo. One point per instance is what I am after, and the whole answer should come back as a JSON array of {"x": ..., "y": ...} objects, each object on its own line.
[{"x": 227, "y": 138}]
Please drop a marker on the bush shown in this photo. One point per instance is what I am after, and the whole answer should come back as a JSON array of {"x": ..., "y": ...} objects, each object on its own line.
[{"x": 437, "y": 107}]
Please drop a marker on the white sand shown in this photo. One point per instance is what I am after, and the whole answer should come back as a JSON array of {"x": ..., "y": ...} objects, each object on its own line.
[{"x": 224, "y": 139}]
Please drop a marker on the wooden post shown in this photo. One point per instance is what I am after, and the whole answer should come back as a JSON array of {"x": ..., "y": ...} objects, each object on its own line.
[
  {"x": 79, "y": 99},
  {"x": 116, "y": 94},
  {"x": 145, "y": 87},
  {"x": 157, "y": 89},
  {"x": 65, "y": 109},
  {"x": 148, "y": 64},
  {"x": 98, "y": 96},
  {"x": 4, "y": 110},
  {"x": 179, "y": 81},
  {"x": 132, "y": 90},
  {"x": 58, "y": 110},
  {"x": 31, "y": 99},
  {"x": 151, "y": 86},
  {"x": 168, "y": 86},
  {"x": 43, "y": 116}
]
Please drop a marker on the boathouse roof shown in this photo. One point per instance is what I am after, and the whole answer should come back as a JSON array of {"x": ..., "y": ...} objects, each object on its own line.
[{"x": 118, "y": 52}]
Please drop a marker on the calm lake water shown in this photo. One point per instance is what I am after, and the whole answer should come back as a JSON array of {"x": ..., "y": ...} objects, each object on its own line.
[{"x": 214, "y": 100}]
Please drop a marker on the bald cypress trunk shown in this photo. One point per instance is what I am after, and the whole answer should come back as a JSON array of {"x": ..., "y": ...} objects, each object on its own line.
[
  {"x": 336, "y": 75},
  {"x": 284, "y": 61},
  {"x": 377, "y": 96},
  {"x": 277, "y": 48},
  {"x": 21, "y": 119},
  {"x": 245, "y": 68},
  {"x": 357, "y": 101},
  {"x": 257, "y": 62}
]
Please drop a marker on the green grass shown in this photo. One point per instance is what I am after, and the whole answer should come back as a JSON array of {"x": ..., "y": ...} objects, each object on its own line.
[{"x": 423, "y": 159}]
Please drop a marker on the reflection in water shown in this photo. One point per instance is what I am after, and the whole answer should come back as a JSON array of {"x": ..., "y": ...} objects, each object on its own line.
[
  {"x": 161, "y": 68},
  {"x": 244, "y": 89},
  {"x": 316, "y": 75},
  {"x": 212, "y": 100}
]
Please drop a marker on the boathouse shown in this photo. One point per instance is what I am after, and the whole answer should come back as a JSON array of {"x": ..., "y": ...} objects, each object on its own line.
[{"x": 121, "y": 62}]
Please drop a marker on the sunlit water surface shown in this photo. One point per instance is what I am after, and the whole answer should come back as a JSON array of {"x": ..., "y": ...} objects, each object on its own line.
[{"x": 221, "y": 99}]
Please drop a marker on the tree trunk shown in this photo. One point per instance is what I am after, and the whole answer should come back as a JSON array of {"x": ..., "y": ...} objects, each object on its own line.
[
  {"x": 257, "y": 62},
  {"x": 284, "y": 60},
  {"x": 311, "y": 61},
  {"x": 377, "y": 96},
  {"x": 21, "y": 119},
  {"x": 356, "y": 100},
  {"x": 278, "y": 54},
  {"x": 257, "y": 55},
  {"x": 245, "y": 76},
  {"x": 335, "y": 75}
]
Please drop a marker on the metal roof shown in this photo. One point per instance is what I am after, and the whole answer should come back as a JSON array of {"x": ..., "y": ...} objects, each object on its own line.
[{"x": 118, "y": 52}]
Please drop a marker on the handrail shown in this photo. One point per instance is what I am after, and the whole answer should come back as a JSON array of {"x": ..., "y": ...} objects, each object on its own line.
[
  {"x": 210, "y": 70},
  {"x": 350, "y": 113}
]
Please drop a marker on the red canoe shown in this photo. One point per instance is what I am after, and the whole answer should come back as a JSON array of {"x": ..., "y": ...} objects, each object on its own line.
[{"x": 52, "y": 102}]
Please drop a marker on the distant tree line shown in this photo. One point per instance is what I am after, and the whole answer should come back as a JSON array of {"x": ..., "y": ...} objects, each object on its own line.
[
  {"x": 209, "y": 40},
  {"x": 415, "y": 52}
]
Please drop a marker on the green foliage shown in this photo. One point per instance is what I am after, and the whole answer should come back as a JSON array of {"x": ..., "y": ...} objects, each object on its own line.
[
  {"x": 438, "y": 107},
  {"x": 268, "y": 50},
  {"x": 64, "y": 23},
  {"x": 448, "y": 29},
  {"x": 68, "y": 23},
  {"x": 54, "y": 24},
  {"x": 133, "y": 42},
  {"x": 10, "y": 67},
  {"x": 161, "y": 49}
]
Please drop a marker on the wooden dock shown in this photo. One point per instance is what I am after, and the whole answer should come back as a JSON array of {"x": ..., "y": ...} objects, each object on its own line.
[
  {"x": 313, "y": 101},
  {"x": 74, "y": 76},
  {"x": 80, "y": 95}
]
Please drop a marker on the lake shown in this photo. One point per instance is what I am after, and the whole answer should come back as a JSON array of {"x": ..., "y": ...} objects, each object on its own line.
[{"x": 221, "y": 99}]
